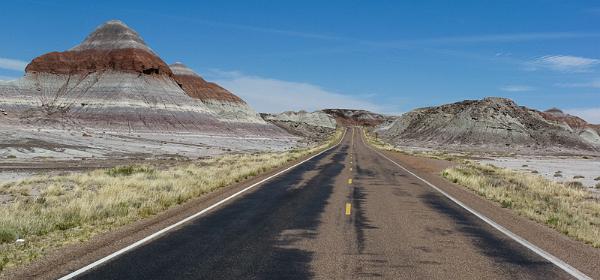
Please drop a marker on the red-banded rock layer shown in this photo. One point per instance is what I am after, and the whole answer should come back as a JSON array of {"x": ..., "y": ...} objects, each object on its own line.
[
  {"x": 129, "y": 60},
  {"x": 196, "y": 87},
  {"x": 113, "y": 46}
]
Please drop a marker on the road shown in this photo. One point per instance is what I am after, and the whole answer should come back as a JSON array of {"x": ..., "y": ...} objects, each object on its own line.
[{"x": 347, "y": 213}]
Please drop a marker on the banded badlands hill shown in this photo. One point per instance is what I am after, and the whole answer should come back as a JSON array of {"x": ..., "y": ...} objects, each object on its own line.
[
  {"x": 313, "y": 126},
  {"x": 492, "y": 125},
  {"x": 112, "y": 95}
]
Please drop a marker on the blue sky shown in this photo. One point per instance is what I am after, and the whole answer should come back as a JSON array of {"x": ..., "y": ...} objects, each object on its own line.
[{"x": 386, "y": 56}]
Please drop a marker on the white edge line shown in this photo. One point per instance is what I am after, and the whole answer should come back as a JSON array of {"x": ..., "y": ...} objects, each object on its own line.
[
  {"x": 551, "y": 258},
  {"x": 189, "y": 218}
]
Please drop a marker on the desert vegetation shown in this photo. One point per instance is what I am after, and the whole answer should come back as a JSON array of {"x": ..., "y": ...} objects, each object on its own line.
[
  {"x": 567, "y": 207},
  {"x": 50, "y": 211}
]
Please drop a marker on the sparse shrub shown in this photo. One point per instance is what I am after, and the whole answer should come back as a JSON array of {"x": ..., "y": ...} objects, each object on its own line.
[
  {"x": 7, "y": 235},
  {"x": 506, "y": 204},
  {"x": 598, "y": 186},
  {"x": 535, "y": 171},
  {"x": 578, "y": 177},
  {"x": 557, "y": 175},
  {"x": 11, "y": 156},
  {"x": 574, "y": 184},
  {"x": 127, "y": 170},
  {"x": 3, "y": 262},
  {"x": 553, "y": 221},
  {"x": 524, "y": 165},
  {"x": 597, "y": 178}
]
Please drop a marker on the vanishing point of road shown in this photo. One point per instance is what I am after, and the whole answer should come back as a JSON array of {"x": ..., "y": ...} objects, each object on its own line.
[{"x": 347, "y": 213}]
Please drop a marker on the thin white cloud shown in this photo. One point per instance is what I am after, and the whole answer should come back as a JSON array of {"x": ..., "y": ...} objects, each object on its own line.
[
  {"x": 564, "y": 63},
  {"x": 272, "y": 95},
  {"x": 594, "y": 11},
  {"x": 591, "y": 115},
  {"x": 592, "y": 84},
  {"x": 488, "y": 38},
  {"x": 491, "y": 38},
  {"x": 12, "y": 64},
  {"x": 7, "y": 78},
  {"x": 517, "y": 88}
]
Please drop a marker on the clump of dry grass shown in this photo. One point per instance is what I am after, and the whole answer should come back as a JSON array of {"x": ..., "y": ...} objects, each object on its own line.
[
  {"x": 75, "y": 207},
  {"x": 566, "y": 207}
]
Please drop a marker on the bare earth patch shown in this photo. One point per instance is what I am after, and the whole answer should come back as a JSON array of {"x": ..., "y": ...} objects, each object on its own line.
[{"x": 557, "y": 169}]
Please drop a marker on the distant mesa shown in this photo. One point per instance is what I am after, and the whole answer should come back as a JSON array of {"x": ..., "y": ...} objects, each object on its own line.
[
  {"x": 331, "y": 118},
  {"x": 349, "y": 117},
  {"x": 554, "y": 111}
]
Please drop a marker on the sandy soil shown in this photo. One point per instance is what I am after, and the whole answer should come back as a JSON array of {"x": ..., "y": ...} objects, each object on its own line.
[{"x": 70, "y": 144}]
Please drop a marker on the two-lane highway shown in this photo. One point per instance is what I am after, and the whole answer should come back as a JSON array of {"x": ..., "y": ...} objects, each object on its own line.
[{"x": 347, "y": 213}]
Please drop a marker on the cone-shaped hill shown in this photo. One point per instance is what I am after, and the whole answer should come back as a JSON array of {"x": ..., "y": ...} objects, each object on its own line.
[{"x": 114, "y": 81}]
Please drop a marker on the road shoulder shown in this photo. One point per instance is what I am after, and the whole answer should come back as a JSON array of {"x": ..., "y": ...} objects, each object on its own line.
[{"x": 581, "y": 256}]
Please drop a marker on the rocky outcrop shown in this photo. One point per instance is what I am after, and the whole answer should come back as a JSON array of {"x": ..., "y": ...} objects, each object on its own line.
[
  {"x": 349, "y": 117},
  {"x": 317, "y": 118},
  {"x": 312, "y": 127},
  {"x": 488, "y": 124}
]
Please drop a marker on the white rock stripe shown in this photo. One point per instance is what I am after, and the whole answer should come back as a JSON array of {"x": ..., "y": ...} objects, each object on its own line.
[
  {"x": 192, "y": 217},
  {"x": 551, "y": 258}
]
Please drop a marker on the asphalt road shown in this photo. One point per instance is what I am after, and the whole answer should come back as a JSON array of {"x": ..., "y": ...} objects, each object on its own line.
[{"x": 313, "y": 222}]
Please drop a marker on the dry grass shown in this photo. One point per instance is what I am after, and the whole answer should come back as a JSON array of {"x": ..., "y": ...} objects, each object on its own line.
[
  {"x": 49, "y": 212},
  {"x": 568, "y": 207}
]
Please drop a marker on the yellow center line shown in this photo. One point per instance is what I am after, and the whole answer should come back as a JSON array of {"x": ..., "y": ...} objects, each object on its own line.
[
  {"x": 349, "y": 181},
  {"x": 348, "y": 209}
]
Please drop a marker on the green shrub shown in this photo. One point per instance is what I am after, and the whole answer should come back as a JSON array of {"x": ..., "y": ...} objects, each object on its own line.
[
  {"x": 7, "y": 235},
  {"x": 127, "y": 170}
]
